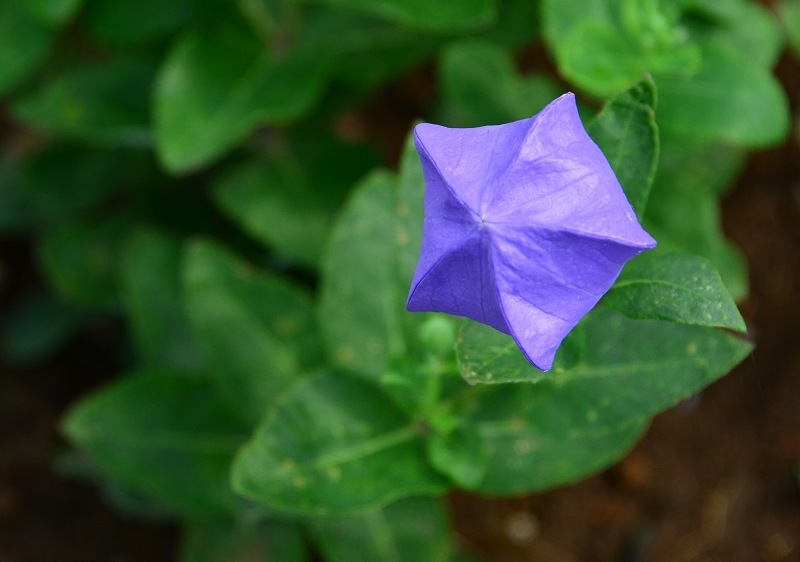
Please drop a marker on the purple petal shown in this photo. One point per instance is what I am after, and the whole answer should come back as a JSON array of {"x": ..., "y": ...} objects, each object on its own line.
[{"x": 526, "y": 226}]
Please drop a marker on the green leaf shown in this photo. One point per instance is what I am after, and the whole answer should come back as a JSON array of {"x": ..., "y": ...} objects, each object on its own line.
[
  {"x": 526, "y": 456},
  {"x": 459, "y": 456},
  {"x": 586, "y": 413},
  {"x": 163, "y": 435},
  {"x": 605, "y": 48},
  {"x": 486, "y": 356},
  {"x": 121, "y": 22},
  {"x": 598, "y": 58},
  {"x": 681, "y": 288},
  {"x": 286, "y": 199},
  {"x": 367, "y": 271},
  {"x": 334, "y": 445},
  {"x": 104, "y": 103},
  {"x": 428, "y": 16},
  {"x": 626, "y": 131},
  {"x": 80, "y": 260},
  {"x": 234, "y": 540},
  {"x": 151, "y": 295},
  {"x": 789, "y": 12},
  {"x": 24, "y": 44},
  {"x": 731, "y": 99},
  {"x": 409, "y": 530},
  {"x": 255, "y": 330},
  {"x": 481, "y": 86},
  {"x": 690, "y": 222},
  {"x": 51, "y": 12},
  {"x": 216, "y": 88},
  {"x": 37, "y": 326},
  {"x": 361, "y": 299}
]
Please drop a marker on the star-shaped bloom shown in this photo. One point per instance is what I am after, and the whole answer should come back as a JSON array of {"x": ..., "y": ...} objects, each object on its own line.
[{"x": 526, "y": 226}]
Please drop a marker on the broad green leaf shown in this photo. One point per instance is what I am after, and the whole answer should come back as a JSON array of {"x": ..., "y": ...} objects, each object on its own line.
[
  {"x": 367, "y": 271},
  {"x": 51, "y": 12},
  {"x": 121, "y": 22},
  {"x": 24, "y": 44},
  {"x": 164, "y": 435},
  {"x": 334, "y": 445},
  {"x": 409, "y": 530},
  {"x": 37, "y": 326},
  {"x": 526, "y": 455},
  {"x": 231, "y": 540},
  {"x": 677, "y": 287},
  {"x": 424, "y": 15},
  {"x": 599, "y": 59},
  {"x": 361, "y": 300},
  {"x": 481, "y": 86},
  {"x": 584, "y": 415},
  {"x": 789, "y": 12},
  {"x": 151, "y": 295},
  {"x": 104, "y": 103},
  {"x": 286, "y": 198},
  {"x": 731, "y": 99},
  {"x": 216, "y": 88},
  {"x": 690, "y": 222},
  {"x": 626, "y": 131},
  {"x": 255, "y": 330},
  {"x": 80, "y": 260}
]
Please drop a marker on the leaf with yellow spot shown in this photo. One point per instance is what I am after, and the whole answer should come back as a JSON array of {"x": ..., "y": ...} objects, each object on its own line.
[{"x": 334, "y": 445}]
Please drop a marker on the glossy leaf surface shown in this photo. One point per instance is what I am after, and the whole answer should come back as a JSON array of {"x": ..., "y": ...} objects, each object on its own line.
[
  {"x": 626, "y": 131},
  {"x": 612, "y": 377},
  {"x": 366, "y": 271},
  {"x": 334, "y": 445},
  {"x": 676, "y": 287}
]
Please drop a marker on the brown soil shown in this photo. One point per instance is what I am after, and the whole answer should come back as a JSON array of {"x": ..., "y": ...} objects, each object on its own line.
[{"x": 715, "y": 478}]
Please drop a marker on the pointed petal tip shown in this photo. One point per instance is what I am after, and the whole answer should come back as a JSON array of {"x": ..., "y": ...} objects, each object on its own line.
[
  {"x": 423, "y": 131},
  {"x": 646, "y": 241},
  {"x": 542, "y": 360},
  {"x": 566, "y": 99}
]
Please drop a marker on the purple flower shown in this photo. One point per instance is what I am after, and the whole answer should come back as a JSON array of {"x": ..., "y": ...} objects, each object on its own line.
[{"x": 526, "y": 226}]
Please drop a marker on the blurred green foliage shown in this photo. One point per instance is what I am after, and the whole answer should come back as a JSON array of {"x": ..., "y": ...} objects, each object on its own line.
[{"x": 187, "y": 166}]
